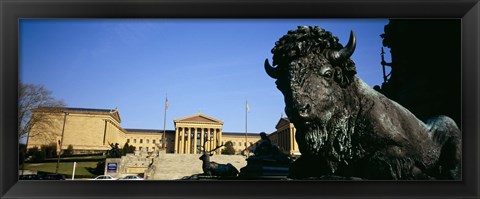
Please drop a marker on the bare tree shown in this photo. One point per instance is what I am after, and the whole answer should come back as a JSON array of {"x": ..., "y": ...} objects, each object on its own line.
[{"x": 33, "y": 97}]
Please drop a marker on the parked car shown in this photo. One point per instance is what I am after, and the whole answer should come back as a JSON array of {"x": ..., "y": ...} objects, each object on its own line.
[
  {"x": 105, "y": 177},
  {"x": 53, "y": 177},
  {"x": 29, "y": 177},
  {"x": 132, "y": 177}
]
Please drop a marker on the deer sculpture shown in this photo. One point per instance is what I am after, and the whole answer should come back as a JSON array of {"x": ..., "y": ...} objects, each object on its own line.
[{"x": 212, "y": 168}]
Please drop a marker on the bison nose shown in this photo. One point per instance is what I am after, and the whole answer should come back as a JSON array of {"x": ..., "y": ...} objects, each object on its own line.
[{"x": 303, "y": 111}]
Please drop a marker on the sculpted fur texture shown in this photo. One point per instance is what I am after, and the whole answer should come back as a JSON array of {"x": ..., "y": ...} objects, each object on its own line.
[{"x": 347, "y": 129}]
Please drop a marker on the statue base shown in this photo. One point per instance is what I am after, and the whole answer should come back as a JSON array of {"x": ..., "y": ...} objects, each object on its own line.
[{"x": 265, "y": 167}]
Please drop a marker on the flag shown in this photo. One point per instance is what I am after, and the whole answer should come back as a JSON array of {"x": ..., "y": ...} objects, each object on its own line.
[
  {"x": 59, "y": 143},
  {"x": 166, "y": 103},
  {"x": 248, "y": 107}
]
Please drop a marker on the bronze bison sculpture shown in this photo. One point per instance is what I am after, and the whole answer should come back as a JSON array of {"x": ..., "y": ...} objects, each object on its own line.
[{"x": 347, "y": 130}]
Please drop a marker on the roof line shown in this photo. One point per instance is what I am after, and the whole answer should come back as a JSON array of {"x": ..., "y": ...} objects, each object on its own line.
[
  {"x": 238, "y": 133},
  {"x": 199, "y": 114},
  {"x": 130, "y": 129},
  {"x": 89, "y": 109}
]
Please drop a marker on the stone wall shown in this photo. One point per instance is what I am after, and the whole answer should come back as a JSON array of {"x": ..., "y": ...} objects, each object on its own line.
[
  {"x": 239, "y": 141},
  {"x": 131, "y": 164},
  {"x": 150, "y": 139},
  {"x": 84, "y": 131},
  {"x": 175, "y": 166}
]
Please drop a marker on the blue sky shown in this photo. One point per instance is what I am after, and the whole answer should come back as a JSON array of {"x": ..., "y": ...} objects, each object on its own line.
[{"x": 207, "y": 66}]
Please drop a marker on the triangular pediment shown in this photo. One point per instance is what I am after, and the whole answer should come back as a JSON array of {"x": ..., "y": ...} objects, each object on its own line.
[
  {"x": 282, "y": 122},
  {"x": 199, "y": 118}
]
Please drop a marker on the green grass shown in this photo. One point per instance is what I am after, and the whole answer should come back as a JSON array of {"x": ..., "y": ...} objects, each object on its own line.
[
  {"x": 78, "y": 159},
  {"x": 85, "y": 157},
  {"x": 66, "y": 168}
]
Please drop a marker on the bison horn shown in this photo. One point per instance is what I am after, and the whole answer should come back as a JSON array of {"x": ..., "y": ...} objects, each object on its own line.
[
  {"x": 346, "y": 52},
  {"x": 272, "y": 72}
]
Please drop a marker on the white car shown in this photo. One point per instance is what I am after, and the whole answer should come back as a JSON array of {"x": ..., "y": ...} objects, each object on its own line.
[
  {"x": 105, "y": 177},
  {"x": 132, "y": 177}
]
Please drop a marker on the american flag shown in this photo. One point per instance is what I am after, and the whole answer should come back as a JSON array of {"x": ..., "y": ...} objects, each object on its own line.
[{"x": 166, "y": 103}]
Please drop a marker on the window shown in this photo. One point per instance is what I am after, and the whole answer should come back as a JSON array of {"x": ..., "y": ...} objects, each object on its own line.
[
  {"x": 134, "y": 140},
  {"x": 148, "y": 141},
  {"x": 153, "y": 141},
  {"x": 233, "y": 143},
  {"x": 139, "y": 148},
  {"x": 239, "y": 144},
  {"x": 128, "y": 140},
  {"x": 153, "y": 148},
  {"x": 141, "y": 141},
  {"x": 147, "y": 148}
]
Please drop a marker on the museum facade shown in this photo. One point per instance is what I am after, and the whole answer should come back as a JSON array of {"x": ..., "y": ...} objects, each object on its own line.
[{"x": 93, "y": 130}]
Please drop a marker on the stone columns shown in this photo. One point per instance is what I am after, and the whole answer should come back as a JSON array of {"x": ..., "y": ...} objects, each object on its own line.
[
  {"x": 219, "y": 139},
  {"x": 211, "y": 139},
  {"x": 189, "y": 141},
  {"x": 202, "y": 136},
  {"x": 182, "y": 140},
  {"x": 208, "y": 137},
  {"x": 212, "y": 143},
  {"x": 292, "y": 139},
  {"x": 195, "y": 141},
  {"x": 207, "y": 141},
  {"x": 215, "y": 144},
  {"x": 192, "y": 140},
  {"x": 285, "y": 135},
  {"x": 280, "y": 139},
  {"x": 175, "y": 149},
  {"x": 220, "y": 136}
]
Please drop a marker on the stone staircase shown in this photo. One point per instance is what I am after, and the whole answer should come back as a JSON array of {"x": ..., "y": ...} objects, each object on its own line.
[{"x": 176, "y": 166}]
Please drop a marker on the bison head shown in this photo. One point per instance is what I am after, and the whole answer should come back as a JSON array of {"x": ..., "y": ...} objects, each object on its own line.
[{"x": 314, "y": 71}]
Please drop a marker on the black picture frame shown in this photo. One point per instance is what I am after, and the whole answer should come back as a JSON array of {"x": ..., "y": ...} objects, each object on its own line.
[{"x": 13, "y": 10}]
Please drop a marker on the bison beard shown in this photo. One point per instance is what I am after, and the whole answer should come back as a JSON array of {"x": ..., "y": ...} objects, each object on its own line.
[
  {"x": 330, "y": 143},
  {"x": 324, "y": 156},
  {"x": 332, "y": 140},
  {"x": 345, "y": 129}
]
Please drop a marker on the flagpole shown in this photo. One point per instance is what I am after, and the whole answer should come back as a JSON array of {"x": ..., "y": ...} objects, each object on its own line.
[
  {"x": 164, "y": 123},
  {"x": 61, "y": 141},
  {"x": 246, "y": 126}
]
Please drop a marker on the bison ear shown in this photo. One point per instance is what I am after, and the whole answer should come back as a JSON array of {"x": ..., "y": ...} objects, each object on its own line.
[
  {"x": 338, "y": 75},
  {"x": 341, "y": 78}
]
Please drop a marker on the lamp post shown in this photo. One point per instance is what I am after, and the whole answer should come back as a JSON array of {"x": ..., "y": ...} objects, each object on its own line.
[
  {"x": 385, "y": 76},
  {"x": 246, "y": 122},
  {"x": 61, "y": 140},
  {"x": 25, "y": 153}
]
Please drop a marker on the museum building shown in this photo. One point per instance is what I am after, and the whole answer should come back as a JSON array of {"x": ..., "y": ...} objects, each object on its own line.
[{"x": 93, "y": 130}]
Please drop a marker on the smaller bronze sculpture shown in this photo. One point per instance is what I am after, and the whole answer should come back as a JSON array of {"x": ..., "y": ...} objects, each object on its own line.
[
  {"x": 266, "y": 149},
  {"x": 268, "y": 162},
  {"x": 215, "y": 169},
  {"x": 265, "y": 146},
  {"x": 114, "y": 152}
]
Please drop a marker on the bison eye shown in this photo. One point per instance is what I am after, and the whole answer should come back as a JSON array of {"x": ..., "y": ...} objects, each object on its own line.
[{"x": 328, "y": 74}]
